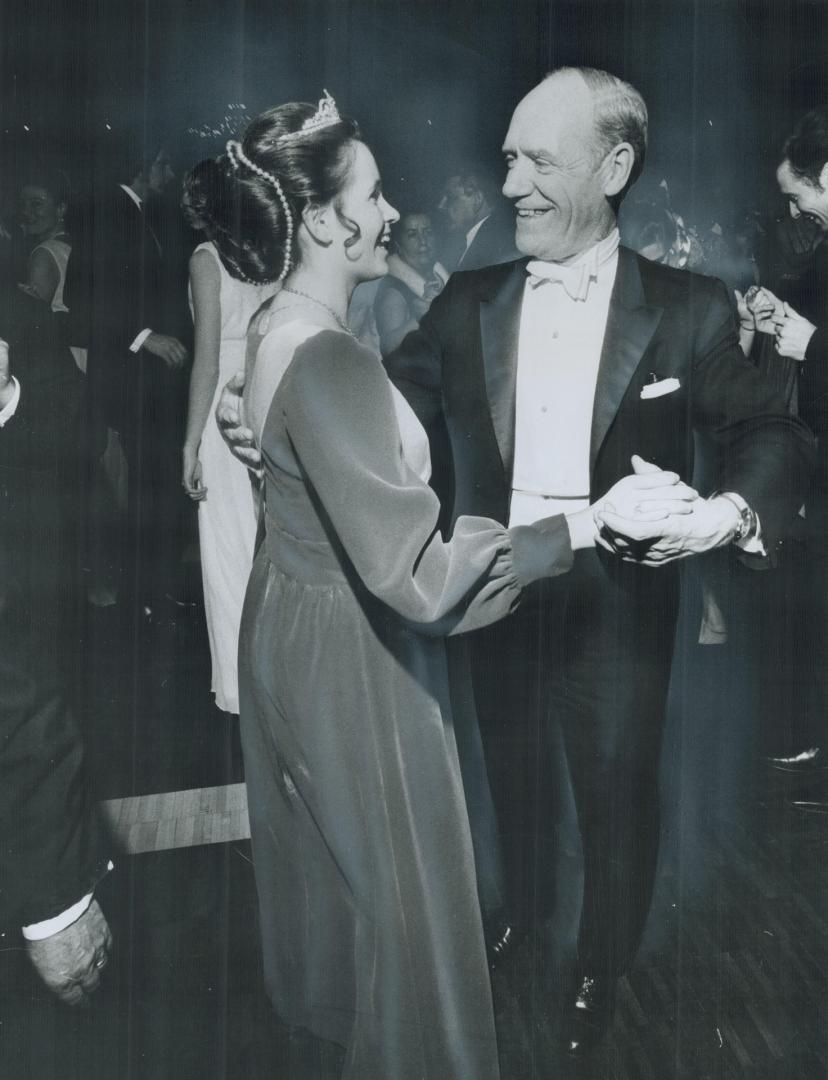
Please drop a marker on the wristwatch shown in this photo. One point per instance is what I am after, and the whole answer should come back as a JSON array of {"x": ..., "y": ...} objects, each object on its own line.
[{"x": 748, "y": 521}]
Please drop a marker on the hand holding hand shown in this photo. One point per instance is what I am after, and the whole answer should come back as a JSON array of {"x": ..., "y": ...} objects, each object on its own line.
[
  {"x": 169, "y": 349},
  {"x": 230, "y": 419},
  {"x": 793, "y": 333},
  {"x": 647, "y": 494},
  {"x": 761, "y": 306},
  {"x": 191, "y": 476},
  {"x": 708, "y": 524},
  {"x": 70, "y": 962}
]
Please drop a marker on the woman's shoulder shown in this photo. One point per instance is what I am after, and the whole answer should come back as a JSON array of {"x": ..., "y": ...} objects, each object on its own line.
[
  {"x": 299, "y": 359},
  {"x": 204, "y": 254},
  {"x": 393, "y": 286},
  {"x": 312, "y": 341},
  {"x": 208, "y": 246},
  {"x": 59, "y": 249},
  {"x": 331, "y": 365}
]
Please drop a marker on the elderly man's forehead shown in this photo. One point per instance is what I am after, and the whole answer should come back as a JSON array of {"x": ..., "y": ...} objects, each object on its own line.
[
  {"x": 560, "y": 108},
  {"x": 564, "y": 89}
]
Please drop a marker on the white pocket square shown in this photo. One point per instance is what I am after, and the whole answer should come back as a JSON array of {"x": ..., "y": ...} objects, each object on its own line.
[{"x": 659, "y": 389}]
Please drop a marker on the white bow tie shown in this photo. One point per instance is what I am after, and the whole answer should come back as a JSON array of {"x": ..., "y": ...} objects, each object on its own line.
[{"x": 575, "y": 279}]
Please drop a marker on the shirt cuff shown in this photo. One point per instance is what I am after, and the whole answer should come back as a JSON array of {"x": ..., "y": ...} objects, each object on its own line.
[
  {"x": 8, "y": 410},
  {"x": 139, "y": 340},
  {"x": 40, "y": 930}
]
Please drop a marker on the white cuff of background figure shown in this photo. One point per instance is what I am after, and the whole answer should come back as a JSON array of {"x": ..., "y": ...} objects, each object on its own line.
[
  {"x": 40, "y": 930},
  {"x": 139, "y": 340},
  {"x": 8, "y": 411}
]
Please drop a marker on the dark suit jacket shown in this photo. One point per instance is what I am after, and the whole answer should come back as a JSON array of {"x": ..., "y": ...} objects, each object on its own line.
[
  {"x": 809, "y": 297},
  {"x": 119, "y": 283},
  {"x": 494, "y": 241},
  {"x": 462, "y": 363},
  {"x": 49, "y": 845},
  {"x": 44, "y": 433}
]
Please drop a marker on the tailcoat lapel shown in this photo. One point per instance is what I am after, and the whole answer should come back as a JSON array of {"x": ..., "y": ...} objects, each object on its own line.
[
  {"x": 631, "y": 323},
  {"x": 499, "y": 332}
]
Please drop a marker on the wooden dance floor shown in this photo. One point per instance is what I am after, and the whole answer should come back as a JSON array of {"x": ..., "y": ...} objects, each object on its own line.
[
  {"x": 732, "y": 981},
  {"x": 178, "y": 819}
]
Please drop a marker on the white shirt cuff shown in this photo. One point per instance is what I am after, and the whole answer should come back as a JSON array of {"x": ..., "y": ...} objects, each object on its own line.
[
  {"x": 139, "y": 340},
  {"x": 8, "y": 411},
  {"x": 40, "y": 930}
]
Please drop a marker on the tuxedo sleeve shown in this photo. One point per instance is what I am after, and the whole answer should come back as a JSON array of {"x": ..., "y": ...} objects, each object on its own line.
[
  {"x": 110, "y": 289},
  {"x": 338, "y": 411},
  {"x": 764, "y": 454},
  {"x": 415, "y": 366},
  {"x": 50, "y": 854},
  {"x": 813, "y": 381}
]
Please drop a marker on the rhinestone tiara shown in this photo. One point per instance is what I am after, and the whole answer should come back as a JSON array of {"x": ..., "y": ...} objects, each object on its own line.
[{"x": 326, "y": 115}]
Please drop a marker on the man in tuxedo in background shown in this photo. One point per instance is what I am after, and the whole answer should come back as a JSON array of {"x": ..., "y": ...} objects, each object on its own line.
[
  {"x": 481, "y": 226},
  {"x": 50, "y": 850},
  {"x": 801, "y": 331},
  {"x": 128, "y": 306},
  {"x": 552, "y": 373}
]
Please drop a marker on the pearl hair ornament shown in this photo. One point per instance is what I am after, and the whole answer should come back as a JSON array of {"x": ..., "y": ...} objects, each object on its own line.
[{"x": 236, "y": 156}]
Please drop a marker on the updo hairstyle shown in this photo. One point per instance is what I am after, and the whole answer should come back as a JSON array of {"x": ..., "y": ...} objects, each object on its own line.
[{"x": 241, "y": 209}]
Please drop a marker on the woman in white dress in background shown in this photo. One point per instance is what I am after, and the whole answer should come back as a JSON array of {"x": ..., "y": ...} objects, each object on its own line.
[
  {"x": 43, "y": 202},
  {"x": 222, "y": 307}
]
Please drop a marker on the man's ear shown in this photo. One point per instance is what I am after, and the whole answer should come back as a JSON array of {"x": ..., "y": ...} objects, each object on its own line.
[
  {"x": 317, "y": 220},
  {"x": 617, "y": 166}
]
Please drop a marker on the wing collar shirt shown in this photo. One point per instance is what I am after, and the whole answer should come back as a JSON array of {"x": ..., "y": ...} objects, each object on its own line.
[
  {"x": 562, "y": 325},
  {"x": 472, "y": 233}
]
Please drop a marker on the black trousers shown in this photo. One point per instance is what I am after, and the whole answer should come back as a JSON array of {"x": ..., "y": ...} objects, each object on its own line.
[
  {"x": 157, "y": 510},
  {"x": 581, "y": 672}
]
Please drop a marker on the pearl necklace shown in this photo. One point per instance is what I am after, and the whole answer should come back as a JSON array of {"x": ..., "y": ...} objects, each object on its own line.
[{"x": 322, "y": 304}]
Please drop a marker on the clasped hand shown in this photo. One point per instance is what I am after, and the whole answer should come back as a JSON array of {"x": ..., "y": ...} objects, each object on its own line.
[
  {"x": 652, "y": 517},
  {"x": 230, "y": 419},
  {"x": 70, "y": 962},
  {"x": 793, "y": 333}
]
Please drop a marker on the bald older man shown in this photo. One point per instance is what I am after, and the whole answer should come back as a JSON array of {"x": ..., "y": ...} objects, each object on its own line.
[{"x": 551, "y": 372}]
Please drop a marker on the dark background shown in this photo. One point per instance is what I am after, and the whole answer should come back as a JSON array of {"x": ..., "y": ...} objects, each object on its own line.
[{"x": 723, "y": 79}]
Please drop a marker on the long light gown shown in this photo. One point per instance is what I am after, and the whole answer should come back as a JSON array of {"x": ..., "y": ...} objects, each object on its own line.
[{"x": 227, "y": 516}]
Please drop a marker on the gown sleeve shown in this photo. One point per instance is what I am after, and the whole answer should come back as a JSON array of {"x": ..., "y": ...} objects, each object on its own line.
[{"x": 338, "y": 411}]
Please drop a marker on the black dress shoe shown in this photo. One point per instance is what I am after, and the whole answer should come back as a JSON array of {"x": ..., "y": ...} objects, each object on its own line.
[
  {"x": 590, "y": 1014},
  {"x": 501, "y": 938}
]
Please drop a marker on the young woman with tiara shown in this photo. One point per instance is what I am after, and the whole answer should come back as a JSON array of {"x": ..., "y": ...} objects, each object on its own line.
[{"x": 371, "y": 927}]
